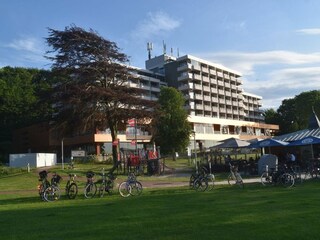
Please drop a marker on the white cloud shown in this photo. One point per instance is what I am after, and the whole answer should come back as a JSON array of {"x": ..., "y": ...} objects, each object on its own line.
[
  {"x": 26, "y": 52},
  {"x": 284, "y": 83},
  {"x": 309, "y": 31},
  {"x": 26, "y": 44},
  {"x": 156, "y": 23},
  {"x": 246, "y": 62},
  {"x": 270, "y": 74}
]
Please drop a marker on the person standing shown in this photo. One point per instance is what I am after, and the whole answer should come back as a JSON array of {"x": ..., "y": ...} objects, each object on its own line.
[{"x": 291, "y": 159}]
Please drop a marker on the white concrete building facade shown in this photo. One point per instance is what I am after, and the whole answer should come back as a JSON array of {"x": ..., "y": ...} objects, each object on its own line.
[{"x": 217, "y": 105}]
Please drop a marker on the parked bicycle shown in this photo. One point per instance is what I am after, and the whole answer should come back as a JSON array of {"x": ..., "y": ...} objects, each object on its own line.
[
  {"x": 130, "y": 187},
  {"x": 274, "y": 176},
  {"x": 44, "y": 183},
  {"x": 202, "y": 181},
  {"x": 295, "y": 171},
  {"x": 311, "y": 171},
  {"x": 234, "y": 177},
  {"x": 49, "y": 191},
  {"x": 106, "y": 183},
  {"x": 71, "y": 187},
  {"x": 90, "y": 188}
]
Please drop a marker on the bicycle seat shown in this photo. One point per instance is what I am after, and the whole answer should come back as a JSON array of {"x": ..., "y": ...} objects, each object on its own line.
[{"x": 90, "y": 174}]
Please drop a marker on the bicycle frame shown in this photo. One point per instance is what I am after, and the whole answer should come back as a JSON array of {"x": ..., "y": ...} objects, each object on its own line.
[
  {"x": 130, "y": 187},
  {"x": 71, "y": 187},
  {"x": 234, "y": 176},
  {"x": 106, "y": 183}
]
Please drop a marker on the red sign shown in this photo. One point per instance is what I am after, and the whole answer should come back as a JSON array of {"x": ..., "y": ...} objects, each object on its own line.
[
  {"x": 133, "y": 142},
  {"x": 132, "y": 122}
]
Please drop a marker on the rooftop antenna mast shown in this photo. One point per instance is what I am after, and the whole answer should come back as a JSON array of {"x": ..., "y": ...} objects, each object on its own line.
[
  {"x": 164, "y": 48},
  {"x": 149, "y": 48}
]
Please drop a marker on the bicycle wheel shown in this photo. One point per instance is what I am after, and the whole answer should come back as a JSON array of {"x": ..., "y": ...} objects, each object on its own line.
[
  {"x": 72, "y": 191},
  {"x": 90, "y": 190},
  {"x": 125, "y": 189},
  {"x": 210, "y": 180},
  {"x": 51, "y": 194},
  {"x": 136, "y": 188},
  {"x": 287, "y": 180},
  {"x": 308, "y": 175},
  {"x": 42, "y": 187},
  {"x": 231, "y": 180},
  {"x": 41, "y": 192},
  {"x": 266, "y": 179},
  {"x": 193, "y": 177},
  {"x": 298, "y": 177},
  {"x": 109, "y": 187},
  {"x": 240, "y": 183},
  {"x": 200, "y": 184},
  {"x": 101, "y": 190}
]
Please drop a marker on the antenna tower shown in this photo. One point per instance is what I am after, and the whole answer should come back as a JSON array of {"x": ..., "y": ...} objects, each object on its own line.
[
  {"x": 149, "y": 48},
  {"x": 164, "y": 48}
]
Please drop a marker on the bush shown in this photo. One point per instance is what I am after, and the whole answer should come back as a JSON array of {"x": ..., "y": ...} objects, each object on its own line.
[{"x": 5, "y": 171}]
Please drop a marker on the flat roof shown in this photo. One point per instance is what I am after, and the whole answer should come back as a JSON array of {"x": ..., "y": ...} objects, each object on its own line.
[{"x": 217, "y": 65}]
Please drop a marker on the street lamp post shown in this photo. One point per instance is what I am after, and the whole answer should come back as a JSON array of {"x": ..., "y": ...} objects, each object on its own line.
[
  {"x": 195, "y": 149},
  {"x": 62, "y": 157}
]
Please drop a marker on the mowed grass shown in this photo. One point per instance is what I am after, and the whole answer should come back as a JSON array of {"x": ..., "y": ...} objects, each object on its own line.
[{"x": 173, "y": 213}]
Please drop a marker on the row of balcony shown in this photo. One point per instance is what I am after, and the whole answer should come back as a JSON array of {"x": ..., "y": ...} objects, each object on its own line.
[
  {"x": 214, "y": 99},
  {"x": 209, "y": 89},
  {"x": 187, "y": 75},
  {"x": 208, "y": 71},
  {"x": 217, "y": 109},
  {"x": 146, "y": 87}
]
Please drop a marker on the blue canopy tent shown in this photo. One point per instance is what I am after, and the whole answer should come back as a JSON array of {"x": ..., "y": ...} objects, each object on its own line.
[
  {"x": 306, "y": 141},
  {"x": 269, "y": 142}
]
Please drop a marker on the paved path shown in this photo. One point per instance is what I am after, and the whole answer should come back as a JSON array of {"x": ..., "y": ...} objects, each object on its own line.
[{"x": 163, "y": 184}]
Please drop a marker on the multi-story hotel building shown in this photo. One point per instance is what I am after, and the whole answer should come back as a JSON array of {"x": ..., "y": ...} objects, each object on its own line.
[{"x": 217, "y": 105}]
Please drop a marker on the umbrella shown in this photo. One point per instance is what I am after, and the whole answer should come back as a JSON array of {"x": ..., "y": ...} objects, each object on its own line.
[
  {"x": 232, "y": 143},
  {"x": 305, "y": 141},
  {"x": 269, "y": 142}
]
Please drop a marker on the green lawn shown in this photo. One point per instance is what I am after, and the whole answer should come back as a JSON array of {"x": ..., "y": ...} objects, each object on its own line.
[{"x": 174, "y": 213}]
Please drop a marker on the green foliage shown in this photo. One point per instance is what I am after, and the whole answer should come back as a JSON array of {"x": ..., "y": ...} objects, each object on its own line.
[
  {"x": 270, "y": 116},
  {"x": 17, "y": 94},
  {"x": 6, "y": 171},
  {"x": 23, "y": 101},
  {"x": 172, "y": 129},
  {"x": 293, "y": 114}
]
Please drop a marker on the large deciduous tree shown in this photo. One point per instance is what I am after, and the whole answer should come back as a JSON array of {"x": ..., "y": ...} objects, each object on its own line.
[
  {"x": 92, "y": 91},
  {"x": 22, "y": 101},
  {"x": 294, "y": 113},
  {"x": 172, "y": 129}
]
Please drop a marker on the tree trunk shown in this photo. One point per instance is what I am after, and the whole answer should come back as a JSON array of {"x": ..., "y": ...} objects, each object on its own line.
[
  {"x": 174, "y": 156},
  {"x": 115, "y": 147}
]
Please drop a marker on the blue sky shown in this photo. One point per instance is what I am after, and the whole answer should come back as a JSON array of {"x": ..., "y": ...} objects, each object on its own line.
[{"x": 275, "y": 44}]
